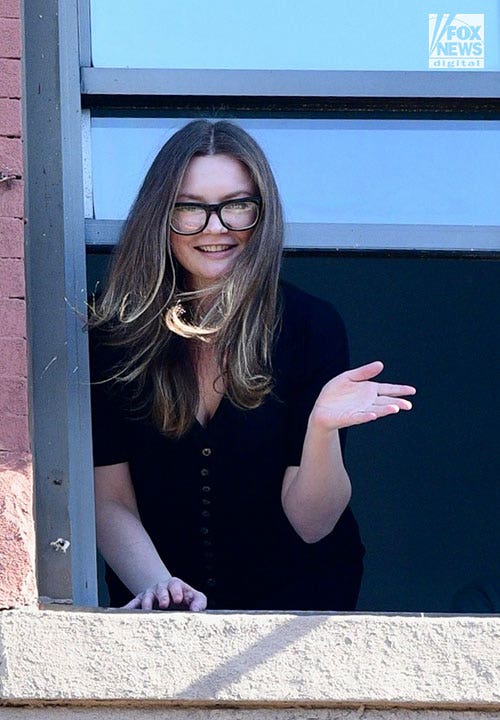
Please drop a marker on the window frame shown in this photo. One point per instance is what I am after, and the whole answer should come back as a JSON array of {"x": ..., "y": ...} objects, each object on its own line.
[
  {"x": 56, "y": 299},
  {"x": 290, "y": 83}
]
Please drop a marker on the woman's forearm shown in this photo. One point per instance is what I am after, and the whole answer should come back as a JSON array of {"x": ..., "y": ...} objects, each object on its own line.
[
  {"x": 315, "y": 495},
  {"x": 317, "y": 492},
  {"x": 127, "y": 548}
]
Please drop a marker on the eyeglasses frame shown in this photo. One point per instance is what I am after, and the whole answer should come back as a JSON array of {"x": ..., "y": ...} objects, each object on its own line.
[{"x": 217, "y": 208}]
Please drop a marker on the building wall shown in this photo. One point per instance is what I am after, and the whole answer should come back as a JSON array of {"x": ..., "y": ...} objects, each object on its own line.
[{"x": 17, "y": 577}]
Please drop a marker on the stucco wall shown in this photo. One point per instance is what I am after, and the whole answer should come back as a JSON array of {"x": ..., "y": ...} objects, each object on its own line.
[{"x": 17, "y": 577}]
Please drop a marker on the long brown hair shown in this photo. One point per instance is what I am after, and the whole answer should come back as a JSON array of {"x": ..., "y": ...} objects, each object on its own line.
[{"x": 146, "y": 308}]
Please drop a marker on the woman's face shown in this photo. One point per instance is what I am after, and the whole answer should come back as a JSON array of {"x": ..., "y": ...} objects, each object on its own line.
[{"x": 210, "y": 254}]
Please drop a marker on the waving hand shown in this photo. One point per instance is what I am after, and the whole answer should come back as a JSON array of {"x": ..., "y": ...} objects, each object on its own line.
[{"x": 353, "y": 398}]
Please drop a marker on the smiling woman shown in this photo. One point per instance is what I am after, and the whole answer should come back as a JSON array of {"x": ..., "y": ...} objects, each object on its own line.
[{"x": 220, "y": 398}]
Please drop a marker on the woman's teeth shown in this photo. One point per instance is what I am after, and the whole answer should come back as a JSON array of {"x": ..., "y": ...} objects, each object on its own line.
[{"x": 214, "y": 248}]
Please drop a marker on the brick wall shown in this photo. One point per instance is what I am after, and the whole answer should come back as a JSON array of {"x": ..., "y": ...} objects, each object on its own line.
[{"x": 17, "y": 577}]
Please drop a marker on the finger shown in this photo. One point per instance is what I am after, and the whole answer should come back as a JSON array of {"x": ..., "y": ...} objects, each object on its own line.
[
  {"x": 388, "y": 400},
  {"x": 147, "y": 600},
  {"x": 394, "y": 390},
  {"x": 133, "y": 604},
  {"x": 176, "y": 590},
  {"x": 365, "y": 372},
  {"x": 163, "y": 597},
  {"x": 199, "y": 602},
  {"x": 358, "y": 418},
  {"x": 388, "y": 409},
  {"x": 377, "y": 412}
]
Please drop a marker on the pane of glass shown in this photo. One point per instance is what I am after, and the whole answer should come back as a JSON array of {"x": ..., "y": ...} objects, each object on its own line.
[
  {"x": 317, "y": 35},
  {"x": 333, "y": 171}
]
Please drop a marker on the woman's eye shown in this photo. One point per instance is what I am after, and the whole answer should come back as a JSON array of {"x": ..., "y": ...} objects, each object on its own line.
[
  {"x": 239, "y": 206},
  {"x": 189, "y": 209}
]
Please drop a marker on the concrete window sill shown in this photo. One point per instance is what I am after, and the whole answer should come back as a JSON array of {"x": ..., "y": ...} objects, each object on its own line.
[{"x": 236, "y": 659}]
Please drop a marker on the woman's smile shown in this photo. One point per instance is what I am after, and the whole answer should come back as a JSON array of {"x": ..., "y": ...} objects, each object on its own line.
[{"x": 215, "y": 249}]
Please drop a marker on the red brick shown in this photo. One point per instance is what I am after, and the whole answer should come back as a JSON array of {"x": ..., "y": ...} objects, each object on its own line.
[
  {"x": 10, "y": 78},
  {"x": 10, "y": 8},
  {"x": 10, "y": 38},
  {"x": 11, "y": 238},
  {"x": 16, "y": 462},
  {"x": 12, "y": 278},
  {"x": 13, "y": 397},
  {"x": 14, "y": 433},
  {"x": 12, "y": 318},
  {"x": 17, "y": 534},
  {"x": 10, "y": 117},
  {"x": 11, "y": 199},
  {"x": 13, "y": 361},
  {"x": 11, "y": 156}
]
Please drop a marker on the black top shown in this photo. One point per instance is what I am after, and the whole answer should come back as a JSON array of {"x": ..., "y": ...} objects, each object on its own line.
[{"x": 211, "y": 500}]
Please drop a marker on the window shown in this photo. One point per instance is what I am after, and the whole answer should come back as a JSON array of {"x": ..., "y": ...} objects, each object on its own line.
[
  {"x": 405, "y": 247},
  {"x": 371, "y": 172},
  {"x": 319, "y": 35}
]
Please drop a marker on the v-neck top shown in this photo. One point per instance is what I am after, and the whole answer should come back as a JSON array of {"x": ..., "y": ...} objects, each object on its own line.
[{"x": 211, "y": 500}]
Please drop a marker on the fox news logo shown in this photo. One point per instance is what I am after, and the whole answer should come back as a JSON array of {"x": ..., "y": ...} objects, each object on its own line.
[{"x": 456, "y": 41}]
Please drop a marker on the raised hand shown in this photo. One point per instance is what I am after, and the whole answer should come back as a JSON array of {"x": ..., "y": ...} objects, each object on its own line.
[
  {"x": 352, "y": 398},
  {"x": 172, "y": 594}
]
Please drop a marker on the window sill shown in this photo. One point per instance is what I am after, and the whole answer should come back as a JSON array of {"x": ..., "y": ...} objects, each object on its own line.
[{"x": 79, "y": 656}]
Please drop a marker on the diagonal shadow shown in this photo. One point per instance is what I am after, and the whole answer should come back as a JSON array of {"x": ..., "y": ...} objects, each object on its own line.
[{"x": 258, "y": 653}]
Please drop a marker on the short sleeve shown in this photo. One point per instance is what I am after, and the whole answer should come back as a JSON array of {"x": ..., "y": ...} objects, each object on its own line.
[
  {"x": 322, "y": 353},
  {"x": 109, "y": 425}
]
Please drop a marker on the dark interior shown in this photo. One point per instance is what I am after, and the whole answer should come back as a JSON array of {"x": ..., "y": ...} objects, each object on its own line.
[{"x": 425, "y": 483}]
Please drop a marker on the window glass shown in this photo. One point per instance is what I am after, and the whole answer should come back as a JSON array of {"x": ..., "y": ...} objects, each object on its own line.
[
  {"x": 333, "y": 171},
  {"x": 317, "y": 35}
]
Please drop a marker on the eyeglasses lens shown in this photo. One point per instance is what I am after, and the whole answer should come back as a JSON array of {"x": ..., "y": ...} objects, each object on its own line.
[
  {"x": 188, "y": 218},
  {"x": 240, "y": 215}
]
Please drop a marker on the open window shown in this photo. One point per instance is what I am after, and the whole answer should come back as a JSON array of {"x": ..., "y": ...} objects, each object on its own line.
[{"x": 384, "y": 134}]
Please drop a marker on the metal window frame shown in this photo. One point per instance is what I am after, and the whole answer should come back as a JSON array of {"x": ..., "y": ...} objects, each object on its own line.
[
  {"x": 290, "y": 83},
  {"x": 56, "y": 295},
  {"x": 483, "y": 241}
]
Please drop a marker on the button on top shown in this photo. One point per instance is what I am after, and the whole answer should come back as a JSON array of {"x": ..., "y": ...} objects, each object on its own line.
[{"x": 206, "y": 452}]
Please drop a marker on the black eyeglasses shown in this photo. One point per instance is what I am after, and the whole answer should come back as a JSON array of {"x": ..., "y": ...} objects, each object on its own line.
[{"x": 238, "y": 214}]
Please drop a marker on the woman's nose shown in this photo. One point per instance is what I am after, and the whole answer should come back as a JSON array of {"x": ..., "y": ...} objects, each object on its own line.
[{"x": 214, "y": 225}]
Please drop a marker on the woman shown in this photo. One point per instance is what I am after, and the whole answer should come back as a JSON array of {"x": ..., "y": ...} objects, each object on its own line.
[{"x": 218, "y": 398}]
